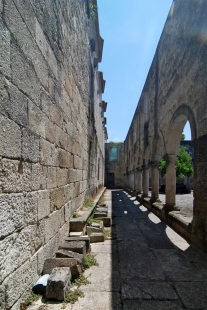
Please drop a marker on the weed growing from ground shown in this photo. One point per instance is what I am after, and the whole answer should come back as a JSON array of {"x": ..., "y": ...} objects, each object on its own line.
[
  {"x": 30, "y": 299},
  {"x": 88, "y": 202},
  {"x": 106, "y": 234},
  {"x": 82, "y": 280},
  {"x": 91, "y": 220},
  {"x": 75, "y": 215},
  {"x": 89, "y": 261},
  {"x": 72, "y": 296},
  {"x": 101, "y": 200}
]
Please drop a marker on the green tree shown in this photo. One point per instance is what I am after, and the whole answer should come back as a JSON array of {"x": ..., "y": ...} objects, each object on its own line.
[{"x": 183, "y": 164}]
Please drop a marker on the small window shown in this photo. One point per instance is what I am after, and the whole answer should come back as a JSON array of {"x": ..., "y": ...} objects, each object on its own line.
[{"x": 113, "y": 154}]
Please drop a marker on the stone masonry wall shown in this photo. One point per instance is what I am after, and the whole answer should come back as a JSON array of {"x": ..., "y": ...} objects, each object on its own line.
[{"x": 49, "y": 150}]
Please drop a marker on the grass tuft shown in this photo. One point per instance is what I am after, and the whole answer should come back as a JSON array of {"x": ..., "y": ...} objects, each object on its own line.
[
  {"x": 106, "y": 234},
  {"x": 75, "y": 215},
  {"x": 88, "y": 202},
  {"x": 72, "y": 296},
  {"x": 30, "y": 299},
  {"x": 89, "y": 261},
  {"x": 82, "y": 280},
  {"x": 101, "y": 200}
]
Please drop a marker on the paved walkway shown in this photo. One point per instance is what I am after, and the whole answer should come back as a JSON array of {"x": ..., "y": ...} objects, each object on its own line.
[{"x": 145, "y": 266}]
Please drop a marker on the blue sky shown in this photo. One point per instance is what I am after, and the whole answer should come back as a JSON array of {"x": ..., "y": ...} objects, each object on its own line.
[{"x": 131, "y": 31}]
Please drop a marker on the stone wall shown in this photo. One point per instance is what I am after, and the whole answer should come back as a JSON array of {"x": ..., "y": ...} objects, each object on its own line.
[
  {"x": 114, "y": 167},
  {"x": 175, "y": 91},
  {"x": 51, "y": 136}
]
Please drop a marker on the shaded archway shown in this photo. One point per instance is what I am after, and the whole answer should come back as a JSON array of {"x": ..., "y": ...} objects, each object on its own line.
[{"x": 177, "y": 124}]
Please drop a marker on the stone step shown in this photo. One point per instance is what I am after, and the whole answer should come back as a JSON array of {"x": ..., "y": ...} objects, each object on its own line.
[
  {"x": 76, "y": 233},
  {"x": 74, "y": 246},
  {"x": 74, "y": 265},
  {"x": 84, "y": 238},
  {"x": 106, "y": 221},
  {"x": 97, "y": 224},
  {"x": 91, "y": 229},
  {"x": 97, "y": 215},
  {"x": 96, "y": 237},
  {"x": 103, "y": 209},
  {"x": 58, "y": 283},
  {"x": 79, "y": 223},
  {"x": 69, "y": 254}
]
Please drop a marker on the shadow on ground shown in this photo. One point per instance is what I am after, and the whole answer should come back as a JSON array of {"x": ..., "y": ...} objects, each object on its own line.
[{"x": 152, "y": 266}]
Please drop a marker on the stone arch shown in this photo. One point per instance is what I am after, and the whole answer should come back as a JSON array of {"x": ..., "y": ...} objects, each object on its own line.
[
  {"x": 158, "y": 147},
  {"x": 177, "y": 123}
]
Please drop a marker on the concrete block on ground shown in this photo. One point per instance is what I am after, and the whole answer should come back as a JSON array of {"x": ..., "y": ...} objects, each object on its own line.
[
  {"x": 84, "y": 238},
  {"x": 75, "y": 246},
  {"x": 106, "y": 221},
  {"x": 69, "y": 254},
  {"x": 76, "y": 233},
  {"x": 99, "y": 214},
  {"x": 77, "y": 224},
  {"x": 72, "y": 263},
  {"x": 97, "y": 224},
  {"x": 103, "y": 209},
  {"x": 96, "y": 237},
  {"x": 58, "y": 283},
  {"x": 91, "y": 230}
]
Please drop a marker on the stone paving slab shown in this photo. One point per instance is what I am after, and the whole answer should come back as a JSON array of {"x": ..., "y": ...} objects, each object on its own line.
[
  {"x": 155, "y": 239},
  {"x": 99, "y": 301},
  {"x": 151, "y": 305},
  {"x": 148, "y": 291},
  {"x": 193, "y": 294},
  {"x": 177, "y": 267}
]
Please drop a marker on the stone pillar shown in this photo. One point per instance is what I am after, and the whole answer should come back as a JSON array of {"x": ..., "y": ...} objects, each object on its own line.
[
  {"x": 132, "y": 184},
  {"x": 145, "y": 180},
  {"x": 139, "y": 179},
  {"x": 199, "y": 224},
  {"x": 155, "y": 180},
  {"x": 135, "y": 179},
  {"x": 170, "y": 187}
]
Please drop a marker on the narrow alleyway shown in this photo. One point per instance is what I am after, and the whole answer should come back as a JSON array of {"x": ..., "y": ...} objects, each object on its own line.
[{"x": 145, "y": 265}]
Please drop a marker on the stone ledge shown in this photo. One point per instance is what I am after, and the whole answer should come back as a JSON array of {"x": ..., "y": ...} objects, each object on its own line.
[
  {"x": 174, "y": 219},
  {"x": 181, "y": 219},
  {"x": 78, "y": 224}
]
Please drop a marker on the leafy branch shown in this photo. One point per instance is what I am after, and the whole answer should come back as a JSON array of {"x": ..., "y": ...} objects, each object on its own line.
[{"x": 93, "y": 9}]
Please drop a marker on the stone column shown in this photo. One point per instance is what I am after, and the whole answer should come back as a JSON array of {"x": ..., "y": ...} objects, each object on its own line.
[
  {"x": 170, "y": 187},
  {"x": 135, "y": 180},
  {"x": 145, "y": 180},
  {"x": 199, "y": 224},
  {"x": 132, "y": 184},
  {"x": 155, "y": 180},
  {"x": 139, "y": 179}
]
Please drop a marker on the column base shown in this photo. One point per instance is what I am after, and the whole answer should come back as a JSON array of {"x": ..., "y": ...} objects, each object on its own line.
[
  {"x": 168, "y": 208},
  {"x": 154, "y": 199}
]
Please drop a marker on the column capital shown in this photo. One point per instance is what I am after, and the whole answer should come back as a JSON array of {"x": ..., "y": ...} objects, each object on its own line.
[
  {"x": 145, "y": 167},
  {"x": 154, "y": 163},
  {"x": 139, "y": 168},
  {"x": 170, "y": 158}
]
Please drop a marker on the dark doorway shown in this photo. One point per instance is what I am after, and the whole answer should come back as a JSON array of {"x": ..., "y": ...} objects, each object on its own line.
[{"x": 110, "y": 180}]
